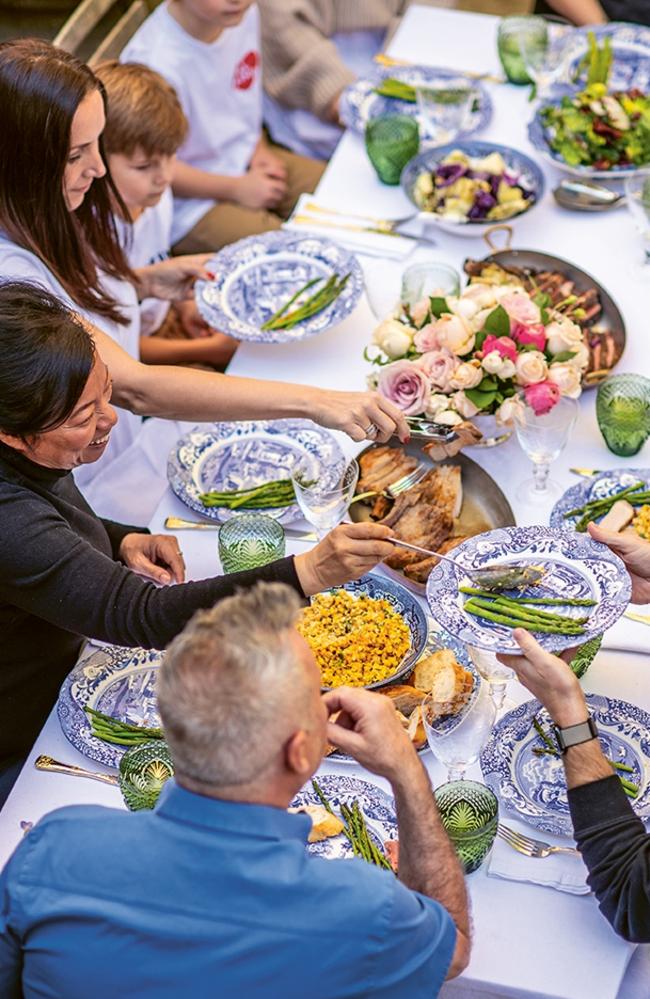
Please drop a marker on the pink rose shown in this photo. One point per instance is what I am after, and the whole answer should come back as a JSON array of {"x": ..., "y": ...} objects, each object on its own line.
[
  {"x": 541, "y": 397},
  {"x": 439, "y": 366},
  {"x": 427, "y": 338},
  {"x": 452, "y": 332},
  {"x": 503, "y": 345},
  {"x": 405, "y": 384},
  {"x": 419, "y": 311},
  {"x": 520, "y": 307},
  {"x": 535, "y": 334}
]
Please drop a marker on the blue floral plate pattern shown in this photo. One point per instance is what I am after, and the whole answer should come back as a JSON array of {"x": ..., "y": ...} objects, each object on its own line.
[
  {"x": 518, "y": 164},
  {"x": 228, "y": 456},
  {"x": 257, "y": 275},
  {"x": 603, "y": 485},
  {"x": 359, "y": 102},
  {"x": 377, "y": 806},
  {"x": 581, "y": 568},
  {"x": 121, "y": 683},
  {"x": 534, "y": 787}
]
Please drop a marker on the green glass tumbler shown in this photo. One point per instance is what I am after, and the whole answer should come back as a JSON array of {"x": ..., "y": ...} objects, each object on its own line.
[
  {"x": 143, "y": 772},
  {"x": 249, "y": 540},
  {"x": 470, "y": 814},
  {"x": 509, "y": 35},
  {"x": 391, "y": 141},
  {"x": 623, "y": 413}
]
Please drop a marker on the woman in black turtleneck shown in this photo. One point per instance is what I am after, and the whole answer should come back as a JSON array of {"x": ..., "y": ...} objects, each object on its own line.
[
  {"x": 583, "y": 12},
  {"x": 67, "y": 575}
]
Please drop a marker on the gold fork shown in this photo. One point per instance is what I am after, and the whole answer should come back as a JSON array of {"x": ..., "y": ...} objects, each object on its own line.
[
  {"x": 535, "y": 848},
  {"x": 385, "y": 60},
  {"x": 634, "y": 616},
  {"x": 54, "y": 766}
]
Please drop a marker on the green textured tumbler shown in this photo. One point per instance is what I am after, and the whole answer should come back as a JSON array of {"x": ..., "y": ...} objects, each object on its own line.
[
  {"x": 623, "y": 413},
  {"x": 391, "y": 141}
]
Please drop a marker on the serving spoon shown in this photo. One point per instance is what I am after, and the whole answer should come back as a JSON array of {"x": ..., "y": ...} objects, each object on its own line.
[
  {"x": 585, "y": 196},
  {"x": 491, "y": 577}
]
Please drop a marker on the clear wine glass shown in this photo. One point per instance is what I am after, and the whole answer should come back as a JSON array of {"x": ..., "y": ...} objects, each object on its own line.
[
  {"x": 547, "y": 65},
  {"x": 496, "y": 674},
  {"x": 324, "y": 501},
  {"x": 637, "y": 199},
  {"x": 457, "y": 742},
  {"x": 543, "y": 438},
  {"x": 382, "y": 281},
  {"x": 443, "y": 107}
]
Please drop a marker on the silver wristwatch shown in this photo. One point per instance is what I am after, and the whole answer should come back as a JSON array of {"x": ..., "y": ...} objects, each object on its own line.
[{"x": 574, "y": 735}]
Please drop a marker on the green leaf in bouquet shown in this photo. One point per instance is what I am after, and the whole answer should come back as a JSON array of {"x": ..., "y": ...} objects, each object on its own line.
[
  {"x": 498, "y": 322},
  {"x": 564, "y": 355},
  {"x": 480, "y": 339},
  {"x": 438, "y": 306},
  {"x": 482, "y": 400},
  {"x": 144, "y": 770},
  {"x": 487, "y": 384},
  {"x": 585, "y": 655}
]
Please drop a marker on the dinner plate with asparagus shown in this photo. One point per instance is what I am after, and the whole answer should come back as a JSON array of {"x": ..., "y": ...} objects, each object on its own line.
[
  {"x": 245, "y": 467},
  {"x": 584, "y": 589},
  {"x": 619, "y": 499},
  {"x": 523, "y": 766},
  {"x": 279, "y": 287}
]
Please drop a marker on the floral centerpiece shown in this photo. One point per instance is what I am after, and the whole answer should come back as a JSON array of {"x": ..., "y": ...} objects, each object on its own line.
[{"x": 486, "y": 351}]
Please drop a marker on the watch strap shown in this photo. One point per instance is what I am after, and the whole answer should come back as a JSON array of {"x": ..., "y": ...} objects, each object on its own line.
[{"x": 574, "y": 735}]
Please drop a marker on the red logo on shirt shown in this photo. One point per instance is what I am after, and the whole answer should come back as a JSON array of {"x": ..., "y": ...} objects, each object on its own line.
[{"x": 244, "y": 75}]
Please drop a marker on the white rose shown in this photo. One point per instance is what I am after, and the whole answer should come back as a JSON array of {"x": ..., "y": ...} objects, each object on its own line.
[
  {"x": 497, "y": 365},
  {"x": 372, "y": 379},
  {"x": 437, "y": 404},
  {"x": 464, "y": 307},
  {"x": 454, "y": 333},
  {"x": 563, "y": 334},
  {"x": 449, "y": 418},
  {"x": 394, "y": 338},
  {"x": 508, "y": 408},
  {"x": 531, "y": 367},
  {"x": 482, "y": 295},
  {"x": 464, "y": 406},
  {"x": 567, "y": 378},
  {"x": 581, "y": 356},
  {"x": 467, "y": 375}
]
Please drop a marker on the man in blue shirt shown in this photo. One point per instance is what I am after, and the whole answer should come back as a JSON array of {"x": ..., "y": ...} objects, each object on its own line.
[{"x": 213, "y": 893}]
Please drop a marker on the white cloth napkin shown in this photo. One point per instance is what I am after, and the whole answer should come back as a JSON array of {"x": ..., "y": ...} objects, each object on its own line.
[
  {"x": 628, "y": 635},
  {"x": 562, "y": 871},
  {"x": 371, "y": 243}
]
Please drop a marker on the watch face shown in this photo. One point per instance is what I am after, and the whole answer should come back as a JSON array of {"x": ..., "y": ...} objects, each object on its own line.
[{"x": 575, "y": 734}]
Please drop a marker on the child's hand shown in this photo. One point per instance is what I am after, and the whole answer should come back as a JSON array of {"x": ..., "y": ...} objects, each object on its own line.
[
  {"x": 256, "y": 190},
  {"x": 266, "y": 161},
  {"x": 191, "y": 320}
]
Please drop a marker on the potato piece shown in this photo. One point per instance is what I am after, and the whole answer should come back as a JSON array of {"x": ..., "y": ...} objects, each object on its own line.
[
  {"x": 324, "y": 824},
  {"x": 620, "y": 515}
]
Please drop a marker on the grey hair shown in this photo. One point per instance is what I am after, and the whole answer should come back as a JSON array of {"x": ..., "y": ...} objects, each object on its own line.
[{"x": 231, "y": 688}]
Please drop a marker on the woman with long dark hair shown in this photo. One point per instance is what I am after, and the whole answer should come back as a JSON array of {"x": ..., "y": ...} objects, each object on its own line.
[
  {"x": 56, "y": 229},
  {"x": 66, "y": 574}
]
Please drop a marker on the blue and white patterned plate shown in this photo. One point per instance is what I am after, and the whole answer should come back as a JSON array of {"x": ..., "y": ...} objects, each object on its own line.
[
  {"x": 407, "y": 606},
  {"x": 534, "y": 787},
  {"x": 605, "y": 484},
  {"x": 359, "y": 102},
  {"x": 377, "y": 806},
  {"x": 120, "y": 682},
  {"x": 240, "y": 455},
  {"x": 518, "y": 164},
  {"x": 578, "y": 567},
  {"x": 256, "y": 276}
]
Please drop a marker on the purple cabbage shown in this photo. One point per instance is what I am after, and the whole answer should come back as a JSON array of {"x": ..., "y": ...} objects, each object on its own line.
[
  {"x": 483, "y": 202},
  {"x": 449, "y": 173}
]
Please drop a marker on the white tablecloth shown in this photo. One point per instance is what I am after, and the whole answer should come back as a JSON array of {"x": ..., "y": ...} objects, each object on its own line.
[{"x": 528, "y": 941}]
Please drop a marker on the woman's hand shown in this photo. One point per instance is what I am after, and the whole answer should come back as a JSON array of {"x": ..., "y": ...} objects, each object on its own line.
[
  {"x": 361, "y": 415},
  {"x": 155, "y": 556},
  {"x": 191, "y": 320},
  {"x": 549, "y": 679},
  {"x": 635, "y": 552},
  {"x": 349, "y": 551},
  {"x": 172, "y": 279}
]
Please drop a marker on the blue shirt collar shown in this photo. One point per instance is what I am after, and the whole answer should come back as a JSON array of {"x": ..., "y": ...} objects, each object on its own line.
[{"x": 259, "y": 821}]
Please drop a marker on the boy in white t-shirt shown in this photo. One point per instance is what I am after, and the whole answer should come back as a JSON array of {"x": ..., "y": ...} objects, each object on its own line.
[
  {"x": 145, "y": 125},
  {"x": 229, "y": 181}
]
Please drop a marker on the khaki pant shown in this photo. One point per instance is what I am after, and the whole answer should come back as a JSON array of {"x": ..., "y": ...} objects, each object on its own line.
[{"x": 226, "y": 222}]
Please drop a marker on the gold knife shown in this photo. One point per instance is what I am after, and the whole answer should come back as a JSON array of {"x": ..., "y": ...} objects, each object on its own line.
[
  {"x": 641, "y": 618},
  {"x": 326, "y": 223},
  {"x": 178, "y": 524},
  {"x": 587, "y": 473},
  {"x": 385, "y": 60},
  {"x": 54, "y": 766}
]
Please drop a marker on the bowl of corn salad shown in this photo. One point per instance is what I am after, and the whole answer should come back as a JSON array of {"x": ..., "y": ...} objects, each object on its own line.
[{"x": 367, "y": 633}]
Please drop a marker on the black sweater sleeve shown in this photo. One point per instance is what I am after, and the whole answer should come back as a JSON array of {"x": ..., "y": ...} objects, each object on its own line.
[
  {"x": 616, "y": 849},
  {"x": 51, "y": 572}
]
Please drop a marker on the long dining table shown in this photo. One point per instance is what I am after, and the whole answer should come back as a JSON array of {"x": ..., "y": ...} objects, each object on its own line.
[{"x": 529, "y": 941}]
